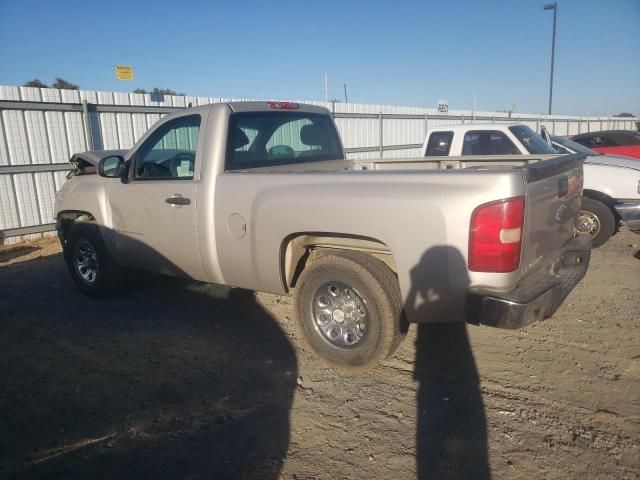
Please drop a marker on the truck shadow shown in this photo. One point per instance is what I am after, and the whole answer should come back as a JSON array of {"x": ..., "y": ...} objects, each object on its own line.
[
  {"x": 173, "y": 379},
  {"x": 452, "y": 432}
]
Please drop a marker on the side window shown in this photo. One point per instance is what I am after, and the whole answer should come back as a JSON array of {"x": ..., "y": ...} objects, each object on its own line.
[
  {"x": 170, "y": 152},
  {"x": 439, "y": 144},
  {"x": 606, "y": 142},
  {"x": 596, "y": 141},
  {"x": 488, "y": 143}
]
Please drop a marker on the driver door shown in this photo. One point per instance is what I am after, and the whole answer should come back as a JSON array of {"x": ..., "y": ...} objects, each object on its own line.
[{"x": 154, "y": 212}]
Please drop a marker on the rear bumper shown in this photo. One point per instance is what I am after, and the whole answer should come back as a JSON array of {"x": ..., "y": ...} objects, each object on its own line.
[
  {"x": 536, "y": 297},
  {"x": 630, "y": 214}
]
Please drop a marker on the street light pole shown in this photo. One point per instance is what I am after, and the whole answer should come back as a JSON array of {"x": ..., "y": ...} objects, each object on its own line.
[{"x": 554, "y": 7}]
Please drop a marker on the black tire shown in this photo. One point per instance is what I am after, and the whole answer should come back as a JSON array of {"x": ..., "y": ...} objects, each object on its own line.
[
  {"x": 374, "y": 285},
  {"x": 83, "y": 241},
  {"x": 597, "y": 220}
]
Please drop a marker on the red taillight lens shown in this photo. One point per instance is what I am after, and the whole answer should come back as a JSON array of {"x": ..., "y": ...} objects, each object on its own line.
[
  {"x": 495, "y": 236},
  {"x": 284, "y": 105}
]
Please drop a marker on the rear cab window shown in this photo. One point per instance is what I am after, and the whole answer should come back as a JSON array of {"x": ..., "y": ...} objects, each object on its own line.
[
  {"x": 439, "y": 144},
  {"x": 488, "y": 142},
  {"x": 263, "y": 139}
]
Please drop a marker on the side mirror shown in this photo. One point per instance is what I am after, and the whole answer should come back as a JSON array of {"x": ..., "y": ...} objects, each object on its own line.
[{"x": 111, "y": 167}]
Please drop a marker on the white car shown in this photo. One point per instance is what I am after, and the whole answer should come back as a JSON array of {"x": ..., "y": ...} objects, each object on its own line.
[
  {"x": 611, "y": 183},
  {"x": 611, "y": 188}
]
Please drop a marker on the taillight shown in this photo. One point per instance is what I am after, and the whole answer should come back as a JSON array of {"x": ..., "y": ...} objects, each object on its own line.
[
  {"x": 284, "y": 105},
  {"x": 495, "y": 236}
]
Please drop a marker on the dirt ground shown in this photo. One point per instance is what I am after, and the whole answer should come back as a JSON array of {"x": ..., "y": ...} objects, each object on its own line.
[{"x": 175, "y": 379}]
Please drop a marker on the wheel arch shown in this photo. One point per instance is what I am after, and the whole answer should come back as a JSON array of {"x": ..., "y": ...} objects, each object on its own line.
[
  {"x": 66, "y": 218},
  {"x": 603, "y": 198},
  {"x": 299, "y": 249}
]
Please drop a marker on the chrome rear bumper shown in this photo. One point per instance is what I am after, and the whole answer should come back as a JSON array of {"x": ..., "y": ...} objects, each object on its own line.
[{"x": 536, "y": 297}]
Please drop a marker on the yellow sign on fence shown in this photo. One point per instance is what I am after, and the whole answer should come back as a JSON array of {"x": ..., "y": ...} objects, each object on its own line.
[{"x": 124, "y": 72}]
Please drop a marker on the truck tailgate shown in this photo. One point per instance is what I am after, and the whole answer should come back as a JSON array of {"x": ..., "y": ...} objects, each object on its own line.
[{"x": 553, "y": 194}]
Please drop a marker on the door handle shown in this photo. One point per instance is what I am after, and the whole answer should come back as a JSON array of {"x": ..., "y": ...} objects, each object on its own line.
[{"x": 177, "y": 199}]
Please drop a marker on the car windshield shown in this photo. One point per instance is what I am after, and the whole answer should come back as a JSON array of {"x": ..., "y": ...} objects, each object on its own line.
[
  {"x": 533, "y": 142},
  {"x": 575, "y": 146}
]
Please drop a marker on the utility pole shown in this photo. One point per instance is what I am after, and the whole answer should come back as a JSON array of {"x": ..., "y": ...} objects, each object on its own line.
[
  {"x": 326, "y": 87},
  {"x": 475, "y": 101},
  {"x": 346, "y": 99},
  {"x": 554, "y": 7}
]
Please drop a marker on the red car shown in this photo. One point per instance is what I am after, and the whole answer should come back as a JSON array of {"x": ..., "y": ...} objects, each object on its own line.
[{"x": 615, "y": 142}]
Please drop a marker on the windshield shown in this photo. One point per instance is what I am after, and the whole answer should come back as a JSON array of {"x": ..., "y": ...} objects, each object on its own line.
[
  {"x": 575, "y": 146},
  {"x": 533, "y": 142}
]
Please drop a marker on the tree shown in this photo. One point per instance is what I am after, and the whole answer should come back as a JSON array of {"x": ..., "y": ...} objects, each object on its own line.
[
  {"x": 35, "y": 83},
  {"x": 62, "y": 84},
  {"x": 140, "y": 90},
  {"x": 165, "y": 91},
  {"x": 625, "y": 115}
]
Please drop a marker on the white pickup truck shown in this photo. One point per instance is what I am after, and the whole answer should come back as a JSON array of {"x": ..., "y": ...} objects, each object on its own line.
[
  {"x": 611, "y": 183},
  {"x": 259, "y": 195}
]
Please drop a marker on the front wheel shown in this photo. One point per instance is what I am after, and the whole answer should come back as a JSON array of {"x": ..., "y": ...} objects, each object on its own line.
[
  {"x": 596, "y": 220},
  {"x": 349, "y": 307},
  {"x": 91, "y": 267}
]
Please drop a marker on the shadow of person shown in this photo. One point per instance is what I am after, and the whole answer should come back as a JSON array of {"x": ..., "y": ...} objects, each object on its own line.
[
  {"x": 172, "y": 379},
  {"x": 452, "y": 433}
]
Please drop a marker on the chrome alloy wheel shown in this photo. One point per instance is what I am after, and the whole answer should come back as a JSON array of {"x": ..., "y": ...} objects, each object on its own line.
[
  {"x": 588, "y": 223},
  {"x": 340, "y": 314},
  {"x": 85, "y": 261}
]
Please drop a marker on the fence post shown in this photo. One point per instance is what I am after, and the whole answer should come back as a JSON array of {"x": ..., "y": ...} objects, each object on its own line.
[
  {"x": 381, "y": 132},
  {"x": 88, "y": 136},
  {"x": 538, "y": 125},
  {"x": 463, "y": 118},
  {"x": 426, "y": 124},
  {"x": 553, "y": 126}
]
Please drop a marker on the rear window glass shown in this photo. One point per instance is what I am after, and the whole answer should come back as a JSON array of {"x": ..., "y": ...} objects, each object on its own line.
[
  {"x": 262, "y": 139},
  {"x": 534, "y": 143},
  {"x": 439, "y": 144},
  {"x": 478, "y": 142}
]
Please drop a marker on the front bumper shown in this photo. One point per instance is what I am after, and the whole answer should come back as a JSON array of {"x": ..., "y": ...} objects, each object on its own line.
[
  {"x": 537, "y": 296},
  {"x": 630, "y": 214}
]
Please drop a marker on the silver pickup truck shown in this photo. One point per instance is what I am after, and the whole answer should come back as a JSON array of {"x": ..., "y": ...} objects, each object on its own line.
[{"x": 259, "y": 195}]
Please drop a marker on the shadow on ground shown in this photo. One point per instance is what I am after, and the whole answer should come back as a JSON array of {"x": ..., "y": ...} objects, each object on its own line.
[
  {"x": 9, "y": 253},
  {"x": 173, "y": 379},
  {"x": 451, "y": 437}
]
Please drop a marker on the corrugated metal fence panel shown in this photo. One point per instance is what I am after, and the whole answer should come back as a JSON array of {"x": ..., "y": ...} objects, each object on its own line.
[{"x": 35, "y": 137}]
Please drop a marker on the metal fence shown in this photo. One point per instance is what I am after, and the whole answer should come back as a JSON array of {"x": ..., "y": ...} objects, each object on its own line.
[{"x": 41, "y": 128}]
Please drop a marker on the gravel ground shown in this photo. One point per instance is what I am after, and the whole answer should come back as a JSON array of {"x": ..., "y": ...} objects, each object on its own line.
[{"x": 175, "y": 379}]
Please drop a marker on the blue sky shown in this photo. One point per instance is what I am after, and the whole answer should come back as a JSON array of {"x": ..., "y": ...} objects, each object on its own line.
[{"x": 393, "y": 52}]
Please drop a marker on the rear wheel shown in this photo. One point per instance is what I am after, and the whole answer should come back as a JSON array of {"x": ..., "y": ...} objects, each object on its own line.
[
  {"x": 596, "y": 220},
  {"x": 93, "y": 270},
  {"x": 349, "y": 307}
]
